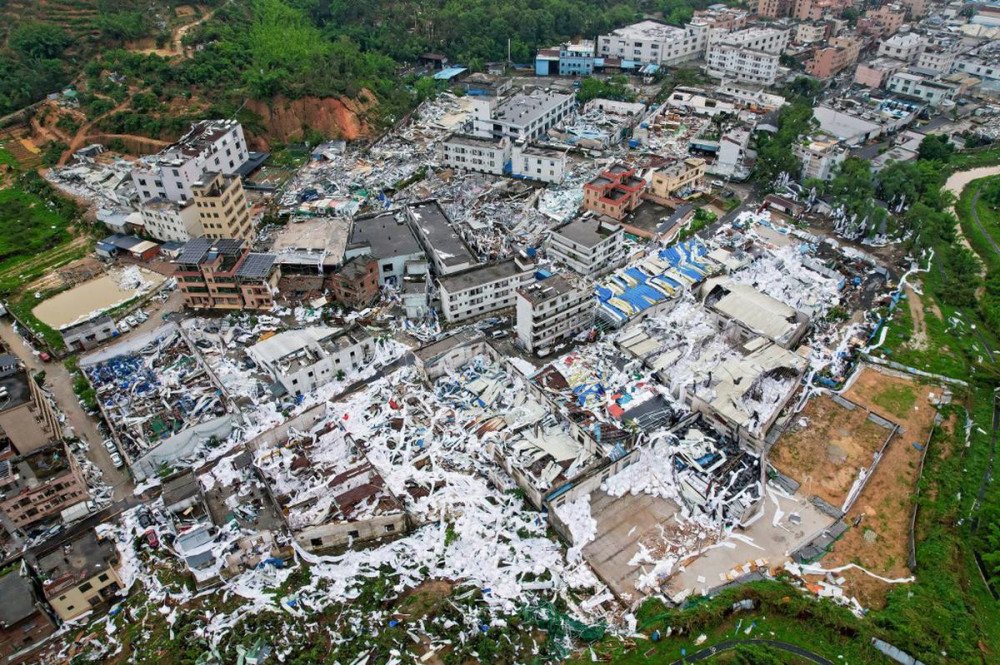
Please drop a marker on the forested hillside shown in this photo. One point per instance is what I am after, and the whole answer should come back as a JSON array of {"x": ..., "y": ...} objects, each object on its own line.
[{"x": 144, "y": 58}]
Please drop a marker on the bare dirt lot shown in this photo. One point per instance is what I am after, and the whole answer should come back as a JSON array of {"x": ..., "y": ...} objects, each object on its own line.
[
  {"x": 919, "y": 340},
  {"x": 826, "y": 451},
  {"x": 72, "y": 273},
  {"x": 880, "y": 519}
]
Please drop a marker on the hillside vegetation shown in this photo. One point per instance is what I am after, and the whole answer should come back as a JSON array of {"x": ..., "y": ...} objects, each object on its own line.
[
  {"x": 240, "y": 50},
  {"x": 44, "y": 42}
]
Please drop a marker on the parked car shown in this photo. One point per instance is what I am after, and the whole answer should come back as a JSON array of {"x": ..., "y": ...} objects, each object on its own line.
[
  {"x": 110, "y": 446},
  {"x": 151, "y": 538},
  {"x": 44, "y": 356},
  {"x": 117, "y": 460},
  {"x": 145, "y": 519}
]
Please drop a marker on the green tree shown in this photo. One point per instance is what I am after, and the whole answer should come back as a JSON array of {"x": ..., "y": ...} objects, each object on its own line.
[
  {"x": 932, "y": 227},
  {"x": 935, "y": 147},
  {"x": 38, "y": 40},
  {"x": 905, "y": 182},
  {"x": 961, "y": 277},
  {"x": 426, "y": 88},
  {"x": 774, "y": 152},
  {"x": 615, "y": 87},
  {"x": 803, "y": 88}
]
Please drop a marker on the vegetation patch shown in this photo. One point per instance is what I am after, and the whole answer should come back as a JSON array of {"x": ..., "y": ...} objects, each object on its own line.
[
  {"x": 28, "y": 226},
  {"x": 897, "y": 400}
]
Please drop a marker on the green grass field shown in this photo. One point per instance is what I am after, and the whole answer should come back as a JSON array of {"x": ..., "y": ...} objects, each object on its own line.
[
  {"x": 28, "y": 227},
  {"x": 989, "y": 221},
  {"x": 35, "y": 239}
]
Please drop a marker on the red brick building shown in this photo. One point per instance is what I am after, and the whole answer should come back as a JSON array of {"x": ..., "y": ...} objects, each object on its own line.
[
  {"x": 41, "y": 484},
  {"x": 615, "y": 192},
  {"x": 355, "y": 285},
  {"x": 224, "y": 274},
  {"x": 23, "y": 620}
]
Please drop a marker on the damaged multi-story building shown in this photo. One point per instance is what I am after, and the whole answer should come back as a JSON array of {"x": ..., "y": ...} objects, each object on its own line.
[
  {"x": 210, "y": 145},
  {"x": 588, "y": 245},
  {"x": 482, "y": 290},
  {"x": 553, "y": 310},
  {"x": 522, "y": 117},
  {"x": 302, "y": 360},
  {"x": 616, "y": 192},
  {"x": 225, "y": 274}
]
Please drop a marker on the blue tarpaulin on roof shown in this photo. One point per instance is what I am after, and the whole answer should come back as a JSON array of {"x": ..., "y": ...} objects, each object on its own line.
[
  {"x": 448, "y": 74},
  {"x": 632, "y": 290}
]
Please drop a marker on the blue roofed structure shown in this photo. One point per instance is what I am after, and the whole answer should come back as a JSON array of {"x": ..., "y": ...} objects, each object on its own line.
[
  {"x": 449, "y": 73},
  {"x": 657, "y": 278}
]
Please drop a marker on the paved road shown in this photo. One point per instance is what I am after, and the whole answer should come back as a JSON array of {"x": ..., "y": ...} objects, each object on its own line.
[
  {"x": 59, "y": 382},
  {"x": 728, "y": 645}
]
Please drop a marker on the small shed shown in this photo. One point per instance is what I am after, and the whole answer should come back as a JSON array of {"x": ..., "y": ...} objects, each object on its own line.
[
  {"x": 450, "y": 73},
  {"x": 435, "y": 60},
  {"x": 120, "y": 243}
]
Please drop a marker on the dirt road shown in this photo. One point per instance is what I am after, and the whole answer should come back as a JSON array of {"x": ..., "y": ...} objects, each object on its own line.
[
  {"x": 958, "y": 182},
  {"x": 176, "y": 47},
  {"x": 59, "y": 382}
]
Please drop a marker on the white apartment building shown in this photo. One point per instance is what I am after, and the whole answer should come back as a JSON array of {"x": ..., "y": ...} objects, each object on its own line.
[
  {"x": 820, "y": 157},
  {"x": 210, "y": 145},
  {"x": 588, "y": 245},
  {"x": 936, "y": 60},
  {"x": 738, "y": 63},
  {"x": 444, "y": 245},
  {"x": 523, "y": 117},
  {"x": 482, "y": 290},
  {"x": 696, "y": 101},
  {"x": 766, "y": 40},
  {"x": 746, "y": 56},
  {"x": 616, "y": 107},
  {"x": 476, "y": 154},
  {"x": 987, "y": 69},
  {"x": 387, "y": 237},
  {"x": 933, "y": 93},
  {"x": 749, "y": 95},
  {"x": 905, "y": 47},
  {"x": 810, "y": 33},
  {"x": 166, "y": 220},
  {"x": 537, "y": 163},
  {"x": 654, "y": 42},
  {"x": 733, "y": 156},
  {"x": 552, "y": 310},
  {"x": 303, "y": 360}
]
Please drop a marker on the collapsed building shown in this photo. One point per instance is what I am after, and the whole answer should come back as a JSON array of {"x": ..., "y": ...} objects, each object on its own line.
[{"x": 160, "y": 400}]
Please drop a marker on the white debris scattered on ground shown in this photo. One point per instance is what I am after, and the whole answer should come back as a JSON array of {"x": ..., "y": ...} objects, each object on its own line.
[
  {"x": 463, "y": 458},
  {"x": 582, "y": 525}
]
